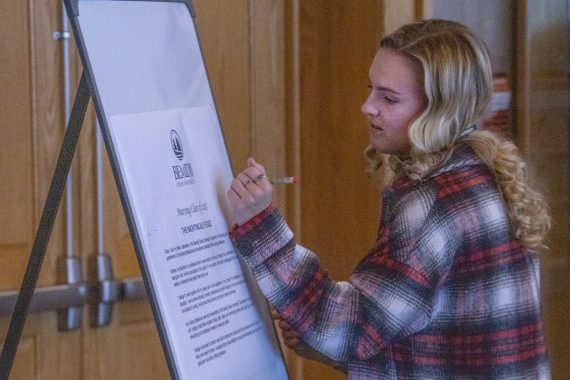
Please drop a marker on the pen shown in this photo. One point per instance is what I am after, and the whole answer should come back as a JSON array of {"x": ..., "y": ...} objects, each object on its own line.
[{"x": 284, "y": 180}]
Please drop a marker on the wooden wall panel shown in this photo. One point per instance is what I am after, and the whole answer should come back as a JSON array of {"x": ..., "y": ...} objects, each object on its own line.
[
  {"x": 267, "y": 89},
  {"x": 398, "y": 12},
  {"x": 16, "y": 154},
  {"x": 13, "y": 256},
  {"x": 339, "y": 205},
  {"x": 129, "y": 349},
  {"x": 26, "y": 362},
  {"x": 224, "y": 32},
  {"x": 542, "y": 96},
  {"x": 48, "y": 121},
  {"x": 140, "y": 351}
]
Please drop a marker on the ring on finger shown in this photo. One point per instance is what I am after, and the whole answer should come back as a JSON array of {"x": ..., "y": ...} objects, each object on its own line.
[{"x": 259, "y": 178}]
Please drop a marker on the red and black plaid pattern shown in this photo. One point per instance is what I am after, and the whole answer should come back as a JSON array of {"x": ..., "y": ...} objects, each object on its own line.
[{"x": 445, "y": 293}]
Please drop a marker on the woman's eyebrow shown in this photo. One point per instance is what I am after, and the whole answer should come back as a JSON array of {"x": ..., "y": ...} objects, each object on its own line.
[
  {"x": 388, "y": 89},
  {"x": 383, "y": 88}
]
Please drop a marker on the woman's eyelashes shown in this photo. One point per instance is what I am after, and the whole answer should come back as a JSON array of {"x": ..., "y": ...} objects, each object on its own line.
[{"x": 381, "y": 93}]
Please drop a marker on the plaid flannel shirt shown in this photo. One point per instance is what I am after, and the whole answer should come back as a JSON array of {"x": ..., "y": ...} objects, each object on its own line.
[{"x": 446, "y": 292}]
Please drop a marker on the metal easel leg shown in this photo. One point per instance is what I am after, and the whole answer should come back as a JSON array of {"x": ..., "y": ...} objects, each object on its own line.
[{"x": 45, "y": 227}]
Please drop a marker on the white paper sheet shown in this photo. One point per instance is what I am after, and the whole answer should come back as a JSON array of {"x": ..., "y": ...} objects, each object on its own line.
[{"x": 176, "y": 172}]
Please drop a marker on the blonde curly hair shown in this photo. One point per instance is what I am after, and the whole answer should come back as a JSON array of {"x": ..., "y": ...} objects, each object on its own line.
[{"x": 458, "y": 86}]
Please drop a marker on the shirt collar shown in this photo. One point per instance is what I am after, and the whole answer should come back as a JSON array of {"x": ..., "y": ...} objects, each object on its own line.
[{"x": 460, "y": 155}]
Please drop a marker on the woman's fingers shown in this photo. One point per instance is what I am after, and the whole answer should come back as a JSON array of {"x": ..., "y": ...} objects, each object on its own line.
[
  {"x": 292, "y": 344},
  {"x": 250, "y": 192},
  {"x": 252, "y": 163},
  {"x": 283, "y": 325},
  {"x": 291, "y": 338},
  {"x": 275, "y": 315},
  {"x": 290, "y": 334}
]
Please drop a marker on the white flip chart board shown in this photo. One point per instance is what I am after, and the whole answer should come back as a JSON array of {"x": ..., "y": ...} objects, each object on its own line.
[{"x": 167, "y": 151}]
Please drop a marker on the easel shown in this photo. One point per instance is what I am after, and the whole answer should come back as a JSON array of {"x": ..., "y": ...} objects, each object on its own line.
[{"x": 173, "y": 20}]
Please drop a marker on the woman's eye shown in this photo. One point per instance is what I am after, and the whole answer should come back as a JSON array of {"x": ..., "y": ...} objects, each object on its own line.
[{"x": 390, "y": 100}]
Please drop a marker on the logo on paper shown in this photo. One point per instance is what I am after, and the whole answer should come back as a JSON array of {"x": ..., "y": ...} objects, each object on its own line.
[
  {"x": 183, "y": 173},
  {"x": 176, "y": 144}
]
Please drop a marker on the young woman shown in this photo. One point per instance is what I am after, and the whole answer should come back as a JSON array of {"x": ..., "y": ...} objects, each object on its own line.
[{"x": 450, "y": 289}]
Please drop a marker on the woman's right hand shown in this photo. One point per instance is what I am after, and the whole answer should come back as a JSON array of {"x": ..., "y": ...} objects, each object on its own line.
[{"x": 250, "y": 192}]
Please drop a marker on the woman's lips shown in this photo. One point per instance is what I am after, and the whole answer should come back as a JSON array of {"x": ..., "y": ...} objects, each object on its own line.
[{"x": 376, "y": 127}]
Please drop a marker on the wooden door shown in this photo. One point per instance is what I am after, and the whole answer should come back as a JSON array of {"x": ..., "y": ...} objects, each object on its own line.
[{"x": 543, "y": 134}]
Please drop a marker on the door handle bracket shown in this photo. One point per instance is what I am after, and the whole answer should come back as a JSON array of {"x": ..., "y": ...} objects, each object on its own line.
[
  {"x": 104, "y": 290},
  {"x": 69, "y": 272}
]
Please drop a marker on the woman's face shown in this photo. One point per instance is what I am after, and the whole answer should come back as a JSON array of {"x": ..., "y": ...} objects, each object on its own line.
[{"x": 396, "y": 99}]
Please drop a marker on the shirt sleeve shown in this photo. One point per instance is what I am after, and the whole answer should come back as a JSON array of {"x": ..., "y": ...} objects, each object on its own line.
[{"x": 388, "y": 297}]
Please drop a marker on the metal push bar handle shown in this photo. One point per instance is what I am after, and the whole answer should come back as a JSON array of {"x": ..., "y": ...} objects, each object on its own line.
[{"x": 69, "y": 295}]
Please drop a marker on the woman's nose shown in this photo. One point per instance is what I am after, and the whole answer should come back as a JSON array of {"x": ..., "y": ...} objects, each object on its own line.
[{"x": 368, "y": 108}]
